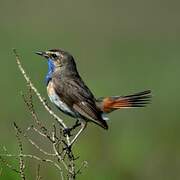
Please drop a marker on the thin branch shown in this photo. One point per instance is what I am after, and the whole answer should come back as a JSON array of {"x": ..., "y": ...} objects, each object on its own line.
[
  {"x": 33, "y": 157},
  {"x": 57, "y": 152},
  {"x": 43, "y": 134},
  {"x": 35, "y": 145},
  {"x": 29, "y": 104},
  {"x": 38, "y": 177},
  {"x": 21, "y": 161},
  {"x": 83, "y": 166}
]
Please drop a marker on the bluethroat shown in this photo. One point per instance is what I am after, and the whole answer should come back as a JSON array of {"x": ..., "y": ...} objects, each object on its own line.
[{"x": 69, "y": 93}]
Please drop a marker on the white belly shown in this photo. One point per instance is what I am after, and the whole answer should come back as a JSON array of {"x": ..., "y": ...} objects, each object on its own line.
[{"x": 57, "y": 100}]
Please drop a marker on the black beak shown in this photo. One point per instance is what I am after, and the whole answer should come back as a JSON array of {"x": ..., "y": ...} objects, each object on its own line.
[{"x": 41, "y": 53}]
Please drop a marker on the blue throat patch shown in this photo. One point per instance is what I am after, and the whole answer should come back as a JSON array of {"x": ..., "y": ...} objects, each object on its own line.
[{"x": 51, "y": 68}]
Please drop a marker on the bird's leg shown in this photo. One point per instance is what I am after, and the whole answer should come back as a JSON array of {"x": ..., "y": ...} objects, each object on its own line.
[
  {"x": 83, "y": 126},
  {"x": 77, "y": 124},
  {"x": 68, "y": 130}
]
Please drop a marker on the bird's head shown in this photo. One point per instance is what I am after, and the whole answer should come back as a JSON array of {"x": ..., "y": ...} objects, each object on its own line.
[
  {"x": 57, "y": 57},
  {"x": 59, "y": 61}
]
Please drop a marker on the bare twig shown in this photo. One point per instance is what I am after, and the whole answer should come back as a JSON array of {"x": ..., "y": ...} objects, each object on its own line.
[
  {"x": 38, "y": 177},
  {"x": 57, "y": 152},
  {"x": 83, "y": 165},
  {"x": 33, "y": 157},
  {"x": 35, "y": 145},
  {"x": 21, "y": 160}
]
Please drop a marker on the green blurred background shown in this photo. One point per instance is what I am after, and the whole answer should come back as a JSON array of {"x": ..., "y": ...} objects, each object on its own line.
[{"x": 120, "y": 47}]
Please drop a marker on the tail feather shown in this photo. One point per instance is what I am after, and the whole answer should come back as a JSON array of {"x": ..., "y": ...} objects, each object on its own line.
[{"x": 140, "y": 99}]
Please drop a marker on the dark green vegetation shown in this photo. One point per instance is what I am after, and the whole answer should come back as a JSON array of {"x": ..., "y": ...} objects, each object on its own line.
[{"x": 120, "y": 47}]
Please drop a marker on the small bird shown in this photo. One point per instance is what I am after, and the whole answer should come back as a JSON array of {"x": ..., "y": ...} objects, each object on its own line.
[{"x": 69, "y": 93}]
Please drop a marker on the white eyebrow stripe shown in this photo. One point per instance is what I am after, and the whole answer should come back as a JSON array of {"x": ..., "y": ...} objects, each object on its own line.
[{"x": 56, "y": 53}]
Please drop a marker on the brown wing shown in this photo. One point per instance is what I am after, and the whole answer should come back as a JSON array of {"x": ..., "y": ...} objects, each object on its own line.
[{"x": 77, "y": 95}]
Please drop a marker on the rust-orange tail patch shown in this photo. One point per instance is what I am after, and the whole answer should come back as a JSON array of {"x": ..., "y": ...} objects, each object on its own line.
[{"x": 134, "y": 100}]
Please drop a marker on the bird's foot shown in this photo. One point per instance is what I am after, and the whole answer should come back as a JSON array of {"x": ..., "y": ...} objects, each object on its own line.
[{"x": 68, "y": 131}]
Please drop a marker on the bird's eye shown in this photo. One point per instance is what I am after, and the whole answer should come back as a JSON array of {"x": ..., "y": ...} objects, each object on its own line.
[{"x": 54, "y": 55}]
